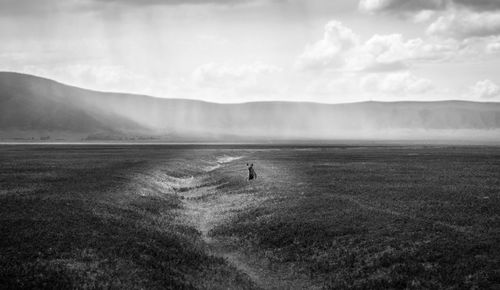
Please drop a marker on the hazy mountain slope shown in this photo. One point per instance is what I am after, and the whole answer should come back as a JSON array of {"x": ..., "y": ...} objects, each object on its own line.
[
  {"x": 296, "y": 119},
  {"x": 33, "y": 103},
  {"x": 30, "y": 103}
]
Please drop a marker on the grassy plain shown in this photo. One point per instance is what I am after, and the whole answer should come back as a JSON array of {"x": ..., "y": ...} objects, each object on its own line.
[
  {"x": 100, "y": 217},
  {"x": 378, "y": 217},
  {"x": 342, "y": 217}
]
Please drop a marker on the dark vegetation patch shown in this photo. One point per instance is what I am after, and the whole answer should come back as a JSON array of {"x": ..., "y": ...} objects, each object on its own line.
[
  {"x": 350, "y": 218},
  {"x": 377, "y": 218},
  {"x": 92, "y": 217}
]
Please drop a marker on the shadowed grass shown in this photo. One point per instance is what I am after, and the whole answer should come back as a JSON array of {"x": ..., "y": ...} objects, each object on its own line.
[
  {"x": 77, "y": 217},
  {"x": 377, "y": 218},
  {"x": 346, "y": 218}
]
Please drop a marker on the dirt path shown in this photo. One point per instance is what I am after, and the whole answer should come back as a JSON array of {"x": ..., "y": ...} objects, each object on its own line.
[{"x": 206, "y": 207}]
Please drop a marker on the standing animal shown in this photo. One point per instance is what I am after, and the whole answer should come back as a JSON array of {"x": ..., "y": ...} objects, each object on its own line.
[{"x": 251, "y": 172}]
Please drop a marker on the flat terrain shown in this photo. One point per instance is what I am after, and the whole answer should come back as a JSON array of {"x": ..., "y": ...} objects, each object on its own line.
[{"x": 185, "y": 217}]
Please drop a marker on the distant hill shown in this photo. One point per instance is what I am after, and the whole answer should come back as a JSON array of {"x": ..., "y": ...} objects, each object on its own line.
[
  {"x": 40, "y": 106},
  {"x": 34, "y": 106}
]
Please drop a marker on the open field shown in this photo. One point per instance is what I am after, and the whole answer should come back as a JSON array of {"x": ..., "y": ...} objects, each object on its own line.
[{"x": 360, "y": 217}]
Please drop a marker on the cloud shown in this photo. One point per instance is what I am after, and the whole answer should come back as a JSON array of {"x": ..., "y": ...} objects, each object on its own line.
[
  {"x": 485, "y": 89},
  {"x": 463, "y": 24},
  {"x": 38, "y": 7},
  {"x": 400, "y": 83},
  {"x": 463, "y": 13},
  {"x": 400, "y": 6},
  {"x": 99, "y": 76},
  {"x": 479, "y": 5},
  {"x": 29, "y": 7},
  {"x": 453, "y": 18},
  {"x": 390, "y": 86},
  {"x": 423, "y": 16},
  {"x": 493, "y": 47},
  {"x": 339, "y": 86},
  {"x": 386, "y": 52},
  {"x": 341, "y": 49},
  {"x": 407, "y": 7},
  {"x": 392, "y": 52},
  {"x": 179, "y": 2},
  {"x": 214, "y": 74},
  {"x": 330, "y": 51},
  {"x": 237, "y": 83}
]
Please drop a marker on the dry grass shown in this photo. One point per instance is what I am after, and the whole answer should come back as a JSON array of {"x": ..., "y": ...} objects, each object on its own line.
[
  {"x": 377, "y": 218},
  {"x": 99, "y": 217},
  {"x": 341, "y": 217}
]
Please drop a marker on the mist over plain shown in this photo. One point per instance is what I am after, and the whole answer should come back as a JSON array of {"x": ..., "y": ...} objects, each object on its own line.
[{"x": 33, "y": 106}]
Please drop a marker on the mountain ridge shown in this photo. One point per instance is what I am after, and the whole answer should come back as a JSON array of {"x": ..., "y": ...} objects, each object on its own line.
[
  {"x": 40, "y": 106},
  {"x": 242, "y": 103}
]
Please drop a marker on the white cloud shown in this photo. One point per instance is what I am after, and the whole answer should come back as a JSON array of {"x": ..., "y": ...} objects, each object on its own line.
[
  {"x": 401, "y": 83},
  {"x": 175, "y": 2},
  {"x": 485, "y": 89},
  {"x": 386, "y": 52},
  {"x": 237, "y": 83},
  {"x": 493, "y": 47},
  {"x": 480, "y": 5},
  {"x": 338, "y": 86},
  {"x": 215, "y": 74},
  {"x": 400, "y": 6},
  {"x": 464, "y": 24},
  {"x": 423, "y": 16},
  {"x": 387, "y": 86},
  {"x": 100, "y": 77},
  {"x": 453, "y": 18},
  {"x": 329, "y": 52},
  {"x": 439, "y": 49},
  {"x": 30, "y": 7},
  {"x": 341, "y": 50},
  {"x": 373, "y": 5}
]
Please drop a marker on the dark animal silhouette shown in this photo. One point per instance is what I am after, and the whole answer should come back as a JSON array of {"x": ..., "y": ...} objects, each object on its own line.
[{"x": 251, "y": 172}]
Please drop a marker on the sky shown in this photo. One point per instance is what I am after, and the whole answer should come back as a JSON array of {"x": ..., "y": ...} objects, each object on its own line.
[{"x": 232, "y": 51}]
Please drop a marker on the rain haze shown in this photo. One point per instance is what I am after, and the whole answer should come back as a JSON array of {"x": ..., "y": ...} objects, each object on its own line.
[
  {"x": 248, "y": 51},
  {"x": 258, "y": 50},
  {"x": 250, "y": 144}
]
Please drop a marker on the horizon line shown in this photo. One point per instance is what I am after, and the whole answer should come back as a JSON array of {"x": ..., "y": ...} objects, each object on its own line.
[{"x": 242, "y": 103}]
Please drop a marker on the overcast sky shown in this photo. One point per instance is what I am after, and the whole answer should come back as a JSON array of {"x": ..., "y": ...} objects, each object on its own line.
[{"x": 252, "y": 50}]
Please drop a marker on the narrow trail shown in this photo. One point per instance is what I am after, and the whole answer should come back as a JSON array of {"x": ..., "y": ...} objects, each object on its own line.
[{"x": 205, "y": 207}]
